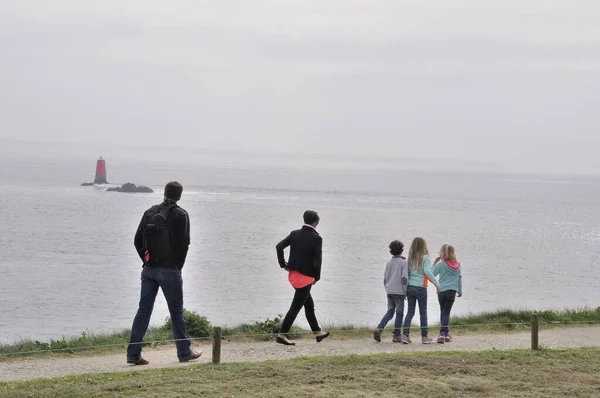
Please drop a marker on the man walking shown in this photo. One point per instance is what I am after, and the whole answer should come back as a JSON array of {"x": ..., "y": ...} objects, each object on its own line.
[
  {"x": 162, "y": 240},
  {"x": 304, "y": 270}
]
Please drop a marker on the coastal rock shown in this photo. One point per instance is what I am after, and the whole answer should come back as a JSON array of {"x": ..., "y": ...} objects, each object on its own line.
[{"x": 131, "y": 188}]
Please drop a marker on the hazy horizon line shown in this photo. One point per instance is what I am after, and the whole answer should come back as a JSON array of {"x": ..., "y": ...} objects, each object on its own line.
[{"x": 369, "y": 163}]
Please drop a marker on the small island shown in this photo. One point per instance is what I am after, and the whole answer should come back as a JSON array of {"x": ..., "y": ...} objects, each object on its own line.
[{"x": 131, "y": 188}]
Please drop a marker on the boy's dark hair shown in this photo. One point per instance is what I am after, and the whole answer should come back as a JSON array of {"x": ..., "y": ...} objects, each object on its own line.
[
  {"x": 311, "y": 217},
  {"x": 173, "y": 190},
  {"x": 396, "y": 248}
]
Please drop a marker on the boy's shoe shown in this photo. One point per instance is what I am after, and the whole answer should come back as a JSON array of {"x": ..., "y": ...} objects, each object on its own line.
[
  {"x": 320, "y": 336},
  {"x": 447, "y": 337},
  {"x": 426, "y": 339},
  {"x": 441, "y": 338},
  {"x": 397, "y": 339},
  {"x": 377, "y": 335},
  {"x": 406, "y": 340},
  {"x": 282, "y": 339}
]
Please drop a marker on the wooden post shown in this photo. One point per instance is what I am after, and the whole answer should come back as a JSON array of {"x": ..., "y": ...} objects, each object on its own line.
[
  {"x": 216, "y": 354},
  {"x": 534, "y": 332}
]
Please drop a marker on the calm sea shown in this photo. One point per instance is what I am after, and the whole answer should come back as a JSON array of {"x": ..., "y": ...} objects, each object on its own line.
[{"x": 68, "y": 262}]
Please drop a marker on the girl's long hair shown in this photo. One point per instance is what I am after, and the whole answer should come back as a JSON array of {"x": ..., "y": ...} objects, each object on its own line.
[
  {"x": 447, "y": 253},
  {"x": 418, "y": 250}
]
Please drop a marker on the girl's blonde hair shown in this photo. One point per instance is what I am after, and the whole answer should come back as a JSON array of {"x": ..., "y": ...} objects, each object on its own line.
[
  {"x": 418, "y": 250},
  {"x": 447, "y": 253}
]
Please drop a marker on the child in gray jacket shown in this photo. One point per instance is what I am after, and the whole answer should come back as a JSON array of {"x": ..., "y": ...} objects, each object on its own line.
[{"x": 395, "y": 281}]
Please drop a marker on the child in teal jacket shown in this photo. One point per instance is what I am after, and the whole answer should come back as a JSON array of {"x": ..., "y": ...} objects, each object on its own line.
[{"x": 449, "y": 273}]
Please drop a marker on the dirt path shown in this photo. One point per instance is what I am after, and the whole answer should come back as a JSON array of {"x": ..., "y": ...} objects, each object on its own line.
[{"x": 260, "y": 351}]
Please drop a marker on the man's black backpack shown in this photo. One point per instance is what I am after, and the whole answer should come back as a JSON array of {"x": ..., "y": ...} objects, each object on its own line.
[{"x": 156, "y": 234}]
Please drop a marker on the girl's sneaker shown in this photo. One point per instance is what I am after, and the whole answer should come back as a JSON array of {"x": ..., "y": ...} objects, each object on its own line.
[
  {"x": 447, "y": 337},
  {"x": 397, "y": 339},
  {"x": 426, "y": 339},
  {"x": 441, "y": 338},
  {"x": 405, "y": 340}
]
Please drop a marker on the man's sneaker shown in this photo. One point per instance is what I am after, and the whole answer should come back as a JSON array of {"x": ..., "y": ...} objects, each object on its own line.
[
  {"x": 397, "y": 339},
  {"x": 426, "y": 339},
  {"x": 377, "y": 335},
  {"x": 406, "y": 340},
  {"x": 441, "y": 338},
  {"x": 191, "y": 357},
  {"x": 447, "y": 337},
  {"x": 140, "y": 361}
]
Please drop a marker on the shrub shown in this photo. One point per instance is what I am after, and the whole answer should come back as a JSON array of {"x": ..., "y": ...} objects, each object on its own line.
[
  {"x": 59, "y": 344},
  {"x": 39, "y": 346},
  {"x": 267, "y": 328},
  {"x": 196, "y": 324}
]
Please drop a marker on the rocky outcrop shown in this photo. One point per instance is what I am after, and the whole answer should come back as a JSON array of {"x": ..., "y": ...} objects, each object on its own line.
[{"x": 131, "y": 188}]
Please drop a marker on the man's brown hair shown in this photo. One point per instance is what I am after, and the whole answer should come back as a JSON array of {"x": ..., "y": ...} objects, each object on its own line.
[{"x": 173, "y": 190}]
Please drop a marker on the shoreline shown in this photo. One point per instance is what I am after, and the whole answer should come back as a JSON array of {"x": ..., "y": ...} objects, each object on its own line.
[{"x": 200, "y": 330}]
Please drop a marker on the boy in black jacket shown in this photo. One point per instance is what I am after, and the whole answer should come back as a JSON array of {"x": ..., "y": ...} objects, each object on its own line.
[{"x": 304, "y": 270}]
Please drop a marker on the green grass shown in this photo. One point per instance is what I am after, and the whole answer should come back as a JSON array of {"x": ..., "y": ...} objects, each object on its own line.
[
  {"x": 506, "y": 320},
  {"x": 519, "y": 373},
  {"x": 85, "y": 343},
  {"x": 197, "y": 325},
  {"x": 499, "y": 321},
  {"x": 491, "y": 322}
]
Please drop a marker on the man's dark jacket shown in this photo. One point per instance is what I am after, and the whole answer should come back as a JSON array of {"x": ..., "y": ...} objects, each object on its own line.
[
  {"x": 178, "y": 223},
  {"x": 305, "y": 252}
]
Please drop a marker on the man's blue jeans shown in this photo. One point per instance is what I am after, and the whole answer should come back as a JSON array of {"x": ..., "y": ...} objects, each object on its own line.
[
  {"x": 416, "y": 294},
  {"x": 171, "y": 283},
  {"x": 395, "y": 306}
]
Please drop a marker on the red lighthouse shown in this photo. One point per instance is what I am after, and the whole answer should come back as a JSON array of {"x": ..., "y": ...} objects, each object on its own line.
[{"x": 100, "y": 172}]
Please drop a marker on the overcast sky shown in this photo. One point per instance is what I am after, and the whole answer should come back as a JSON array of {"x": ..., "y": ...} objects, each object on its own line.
[{"x": 513, "y": 82}]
